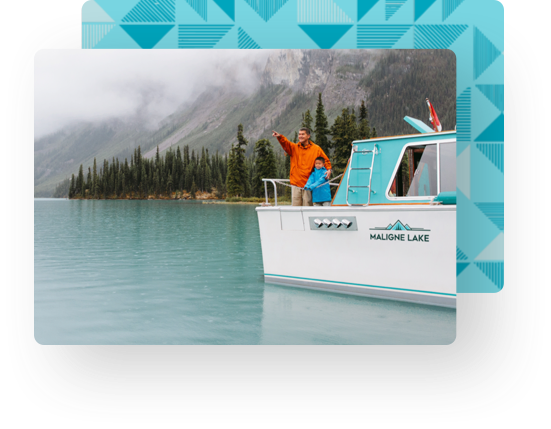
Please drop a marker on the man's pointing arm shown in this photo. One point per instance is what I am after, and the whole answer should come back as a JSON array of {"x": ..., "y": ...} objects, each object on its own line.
[{"x": 285, "y": 144}]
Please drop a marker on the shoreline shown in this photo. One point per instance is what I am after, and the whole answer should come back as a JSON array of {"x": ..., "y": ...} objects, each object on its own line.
[
  {"x": 256, "y": 203},
  {"x": 202, "y": 201}
]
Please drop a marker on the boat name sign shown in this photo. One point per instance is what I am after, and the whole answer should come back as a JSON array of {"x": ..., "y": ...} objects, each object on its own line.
[{"x": 408, "y": 234}]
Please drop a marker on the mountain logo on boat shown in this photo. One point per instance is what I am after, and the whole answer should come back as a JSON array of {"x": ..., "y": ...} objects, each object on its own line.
[
  {"x": 398, "y": 231},
  {"x": 398, "y": 226}
]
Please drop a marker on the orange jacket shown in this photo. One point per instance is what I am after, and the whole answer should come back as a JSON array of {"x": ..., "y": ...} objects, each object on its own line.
[{"x": 302, "y": 159}]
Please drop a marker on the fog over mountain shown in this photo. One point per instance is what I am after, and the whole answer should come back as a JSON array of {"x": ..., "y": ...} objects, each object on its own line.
[
  {"x": 73, "y": 86},
  {"x": 104, "y": 104}
]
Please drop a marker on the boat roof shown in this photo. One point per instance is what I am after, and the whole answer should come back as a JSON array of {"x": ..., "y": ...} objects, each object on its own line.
[{"x": 406, "y": 136}]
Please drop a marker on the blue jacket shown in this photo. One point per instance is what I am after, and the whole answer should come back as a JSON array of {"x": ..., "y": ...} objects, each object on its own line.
[{"x": 323, "y": 193}]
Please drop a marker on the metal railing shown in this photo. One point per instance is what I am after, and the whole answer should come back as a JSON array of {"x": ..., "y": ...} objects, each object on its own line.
[
  {"x": 273, "y": 181},
  {"x": 281, "y": 182}
]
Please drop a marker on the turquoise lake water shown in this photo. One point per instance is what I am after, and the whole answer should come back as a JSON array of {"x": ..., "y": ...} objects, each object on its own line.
[{"x": 174, "y": 272}]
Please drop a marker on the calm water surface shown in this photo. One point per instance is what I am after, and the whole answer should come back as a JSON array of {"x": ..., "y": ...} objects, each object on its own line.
[{"x": 173, "y": 272}]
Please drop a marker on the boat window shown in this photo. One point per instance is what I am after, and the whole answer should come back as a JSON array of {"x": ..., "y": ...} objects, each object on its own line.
[
  {"x": 417, "y": 174},
  {"x": 447, "y": 167}
]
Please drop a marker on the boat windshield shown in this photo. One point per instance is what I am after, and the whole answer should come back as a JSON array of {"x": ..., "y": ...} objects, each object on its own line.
[
  {"x": 447, "y": 167},
  {"x": 417, "y": 174}
]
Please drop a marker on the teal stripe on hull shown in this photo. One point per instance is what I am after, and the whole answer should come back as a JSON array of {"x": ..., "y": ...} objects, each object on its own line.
[{"x": 358, "y": 284}]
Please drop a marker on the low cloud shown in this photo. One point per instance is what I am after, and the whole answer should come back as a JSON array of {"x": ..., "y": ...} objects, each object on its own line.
[{"x": 73, "y": 86}]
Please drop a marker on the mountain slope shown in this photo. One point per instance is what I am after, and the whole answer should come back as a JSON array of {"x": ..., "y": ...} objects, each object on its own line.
[{"x": 394, "y": 84}]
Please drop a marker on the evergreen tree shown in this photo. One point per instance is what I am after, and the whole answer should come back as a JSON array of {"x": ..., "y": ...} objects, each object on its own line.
[
  {"x": 169, "y": 186},
  {"x": 237, "y": 172},
  {"x": 80, "y": 182},
  {"x": 265, "y": 165},
  {"x": 95, "y": 181},
  {"x": 322, "y": 127},
  {"x": 307, "y": 120},
  {"x": 193, "y": 191},
  {"x": 344, "y": 132},
  {"x": 89, "y": 179},
  {"x": 188, "y": 180},
  {"x": 157, "y": 183},
  {"x": 364, "y": 132},
  {"x": 220, "y": 188},
  {"x": 72, "y": 187},
  {"x": 201, "y": 182},
  {"x": 143, "y": 185},
  {"x": 178, "y": 179},
  {"x": 123, "y": 185}
]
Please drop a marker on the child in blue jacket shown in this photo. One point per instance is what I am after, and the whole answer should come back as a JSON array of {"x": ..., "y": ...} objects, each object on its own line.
[{"x": 320, "y": 196}]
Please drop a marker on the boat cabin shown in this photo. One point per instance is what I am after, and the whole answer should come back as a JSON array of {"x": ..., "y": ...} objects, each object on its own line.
[{"x": 410, "y": 169}]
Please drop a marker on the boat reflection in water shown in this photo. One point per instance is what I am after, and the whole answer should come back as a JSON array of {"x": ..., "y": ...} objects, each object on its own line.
[{"x": 304, "y": 316}]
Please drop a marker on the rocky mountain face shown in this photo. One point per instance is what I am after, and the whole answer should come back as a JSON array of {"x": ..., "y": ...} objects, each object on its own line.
[
  {"x": 286, "y": 87},
  {"x": 333, "y": 73},
  {"x": 211, "y": 120}
]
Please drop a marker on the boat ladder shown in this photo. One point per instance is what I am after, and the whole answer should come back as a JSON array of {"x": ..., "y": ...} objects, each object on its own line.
[{"x": 351, "y": 188}]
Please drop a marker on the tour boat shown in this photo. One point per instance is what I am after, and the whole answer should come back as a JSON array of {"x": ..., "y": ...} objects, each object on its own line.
[{"x": 390, "y": 231}]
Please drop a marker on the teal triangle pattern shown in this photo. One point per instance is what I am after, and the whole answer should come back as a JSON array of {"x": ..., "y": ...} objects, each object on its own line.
[
  {"x": 448, "y": 7},
  {"x": 350, "y": 8},
  {"x": 244, "y": 41},
  {"x": 485, "y": 53},
  {"x": 117, "y": 39},
  {"x": 464, "y": 116},
  {"x": 152, "y": 11},
  {"x": 494, "y": 271},
  {"x": 266, "y": 8},
  {"x": 421, "y": 7},
  {"x": 380, "y": 36},
  {"x": 494, "y": 93},
  {"x": 365, "y": 6},
  {"x": 321, "y": 12},
  {"x": 201, "y": 36},
  {"x": 494, "y": 250},
  {"x": 495, "y": 131},
  {"x": 325, "y": 36},
  {"x": 147, "y": 36},
  {"x": 199, "y": 6},
  {"x": 392, "y": 6},
  {"x": 117, "y": 9},
  {"x": 494, "y": 152},
  {"x": 494, "y": 212},
  {"x": 461, "y": 267},
  {"x": 93, "y": 33},
  {"x": 460, "y": 256},
  {"x": 437, "y": 36},
  {"x": 228, "y": 6},
  {"x": 92, "y": 12}
]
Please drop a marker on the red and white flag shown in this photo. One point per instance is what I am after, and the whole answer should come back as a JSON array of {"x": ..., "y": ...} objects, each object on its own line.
[{"x": 434, "y": 118}]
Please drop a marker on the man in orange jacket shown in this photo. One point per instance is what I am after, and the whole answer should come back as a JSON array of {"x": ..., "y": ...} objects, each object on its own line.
[{"x": 303, "y": 156}]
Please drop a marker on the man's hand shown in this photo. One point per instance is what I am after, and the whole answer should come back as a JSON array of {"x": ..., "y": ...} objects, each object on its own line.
[
  {"x": 328, "y": 174},
  {"x": 274, "y": 134}
]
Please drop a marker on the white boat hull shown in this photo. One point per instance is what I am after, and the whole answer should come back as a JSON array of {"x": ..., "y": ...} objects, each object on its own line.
[{"x": 415, "y": 264}]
